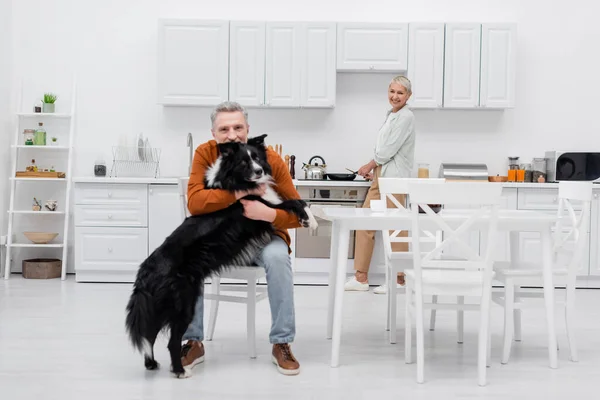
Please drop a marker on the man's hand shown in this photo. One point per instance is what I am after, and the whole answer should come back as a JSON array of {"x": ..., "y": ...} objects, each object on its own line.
[
  {"x": 258, "y": 211},
  {"x": 369, "y": 176},
  {"x": 259, "y": 191}
]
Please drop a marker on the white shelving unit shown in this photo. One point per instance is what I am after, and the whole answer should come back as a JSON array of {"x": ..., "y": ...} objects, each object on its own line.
[{"x": 40, "y": 150}]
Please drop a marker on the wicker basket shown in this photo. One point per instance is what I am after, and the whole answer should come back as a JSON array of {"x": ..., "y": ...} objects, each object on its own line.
[{"x": 42, "y": 268}]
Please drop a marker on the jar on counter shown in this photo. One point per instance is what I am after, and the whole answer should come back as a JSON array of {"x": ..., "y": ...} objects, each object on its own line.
[
  {"x": 100, "y": 168},
  {"x": 539, "y": 169},
  {"x": 528, "y": 172},
  {"x": 423, "y": 170}
]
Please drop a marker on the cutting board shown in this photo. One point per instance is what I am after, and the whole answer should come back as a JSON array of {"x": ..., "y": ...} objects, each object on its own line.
[{"x": 40, "y": 174}]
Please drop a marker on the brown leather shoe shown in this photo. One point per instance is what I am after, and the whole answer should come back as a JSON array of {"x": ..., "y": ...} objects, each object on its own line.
[
  {"x": 284, "y": 359},
  {"x": 192, "y": 354}
]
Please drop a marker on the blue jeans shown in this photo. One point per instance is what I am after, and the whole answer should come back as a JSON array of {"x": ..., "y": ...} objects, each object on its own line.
[{"x": 275, "y": 259}]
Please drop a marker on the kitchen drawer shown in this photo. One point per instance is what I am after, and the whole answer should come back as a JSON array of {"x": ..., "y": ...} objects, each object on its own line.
[
  {"x": 134, "y": 215},
  {"x": 111, "y": 193},
  {"x": 540, "y": 199},
  {"x": 110, "y": 249}
]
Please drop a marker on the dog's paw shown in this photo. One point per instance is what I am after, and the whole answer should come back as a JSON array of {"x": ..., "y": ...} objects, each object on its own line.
[
  {"x": 151, "y": 364},
  {"x": 311, "y": 222},
  {"x": 186, "y": 373}
]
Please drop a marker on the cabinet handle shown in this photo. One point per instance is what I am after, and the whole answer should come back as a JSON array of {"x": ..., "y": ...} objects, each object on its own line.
[
  {"x": 151, "y": 191},
  {"x": 371, "y": 66},
  {"x": 596, "y": 196},
  {"x": 110, "y": 249},
  {"x": 109, "y": 216},
  {"x": 554, "y": 200},
  {"x": 109, "y": 194}
]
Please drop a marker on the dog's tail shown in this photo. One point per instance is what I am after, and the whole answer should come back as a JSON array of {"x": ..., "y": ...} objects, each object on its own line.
[{"x": 140, "y": 321}]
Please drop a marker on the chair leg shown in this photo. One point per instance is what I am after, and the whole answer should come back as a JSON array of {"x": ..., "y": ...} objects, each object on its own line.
[
  {"x": 393, "y": 296},
  {"x": 484, "y": 335},
  {"x": 214, "y": 307},
  {"x": 389, "y": 301},
  {"x": 570, "y": 320},
  {"x": 509, "y": 314},
  {"x": 408, "y": 326},
  {"x": 434, "y": 300},
  {"x": 460, "y": 320},
  {"x": 251, "y": 317},
  {"x": 517, "y": 316},
  {"x": 420, "y": 336}
]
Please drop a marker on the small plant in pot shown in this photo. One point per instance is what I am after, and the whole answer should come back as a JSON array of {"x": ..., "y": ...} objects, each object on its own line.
[
  {"x": 54, "y": 141},
  {"x": 49, "y": 100}
]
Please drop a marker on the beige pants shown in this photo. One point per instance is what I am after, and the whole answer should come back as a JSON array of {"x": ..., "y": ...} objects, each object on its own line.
[{"x": 365, "y": 240}]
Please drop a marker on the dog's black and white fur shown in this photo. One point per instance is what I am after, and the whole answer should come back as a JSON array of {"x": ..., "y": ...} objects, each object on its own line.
[{"x": 170, "y": 280}]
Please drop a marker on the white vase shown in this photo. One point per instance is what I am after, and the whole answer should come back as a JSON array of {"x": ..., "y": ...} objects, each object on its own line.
[{"x": 48, "y": 107}]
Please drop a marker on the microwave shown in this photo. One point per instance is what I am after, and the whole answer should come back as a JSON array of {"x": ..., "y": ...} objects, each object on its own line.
[{"x": 572, "y": 166}]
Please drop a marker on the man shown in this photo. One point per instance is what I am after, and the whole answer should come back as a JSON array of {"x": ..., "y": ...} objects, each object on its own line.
[{"x": 230, "y": 124}]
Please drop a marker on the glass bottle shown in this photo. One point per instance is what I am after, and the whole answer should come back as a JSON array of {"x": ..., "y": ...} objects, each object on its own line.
[
  {"x": 423, "y": 170},
  {"x": 29, "y": 135},
  {"x": 40, "y": 135},
  {"x": 539, "y": 170}
]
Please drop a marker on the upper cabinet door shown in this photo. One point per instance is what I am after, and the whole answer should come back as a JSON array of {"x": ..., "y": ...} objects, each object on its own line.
[
  {"x": 282, "y": 83},
  {"x": 372, "y": 47},
  {"x": 247, "y": 63},
  {"x": 461, "y": 77},
  {"x": 193, "y": 62},
  {"x": 498, "y": 63},
  {"x": 426, "y": 64},
  {"x": 317, "y": 76}
]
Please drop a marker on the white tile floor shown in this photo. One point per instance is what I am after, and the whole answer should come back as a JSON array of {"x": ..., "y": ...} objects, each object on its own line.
[{"x": 63, "y": 340}]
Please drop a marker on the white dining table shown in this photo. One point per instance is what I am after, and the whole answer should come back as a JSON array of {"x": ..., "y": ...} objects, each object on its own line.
[{"x": 345, "y": 220}]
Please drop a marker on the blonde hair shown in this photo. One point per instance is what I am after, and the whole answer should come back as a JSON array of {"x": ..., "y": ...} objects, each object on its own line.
[{"x": 402, "y": 80}]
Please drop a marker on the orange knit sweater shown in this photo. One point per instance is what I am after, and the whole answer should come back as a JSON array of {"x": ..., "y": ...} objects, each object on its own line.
[{"x": 202, "y": 200}]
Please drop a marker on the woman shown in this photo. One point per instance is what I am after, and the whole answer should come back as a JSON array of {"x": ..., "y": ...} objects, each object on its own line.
[{"x": 394, "y": 154}]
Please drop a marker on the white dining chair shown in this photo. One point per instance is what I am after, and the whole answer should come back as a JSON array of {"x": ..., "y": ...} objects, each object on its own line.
[
  {"x": 398, "y": 261},
  {"x": 569, "y": 241},
  {"x": 432, "y": 274},
  {"x": 249, "y": 274}
]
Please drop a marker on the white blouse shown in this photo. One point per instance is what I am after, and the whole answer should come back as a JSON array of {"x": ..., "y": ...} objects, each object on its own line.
[{"x": 395, "y": 148}]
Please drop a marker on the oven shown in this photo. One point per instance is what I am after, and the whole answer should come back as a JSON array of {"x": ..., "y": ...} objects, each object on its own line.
[{"x": 317, "y": 243}]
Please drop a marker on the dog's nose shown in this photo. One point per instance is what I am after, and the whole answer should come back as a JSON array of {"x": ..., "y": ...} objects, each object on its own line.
[{"x": 258, "y": 171}]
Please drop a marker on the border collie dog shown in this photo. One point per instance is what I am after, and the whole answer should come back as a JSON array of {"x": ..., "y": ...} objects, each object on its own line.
[{"x": 170, "y": 280}]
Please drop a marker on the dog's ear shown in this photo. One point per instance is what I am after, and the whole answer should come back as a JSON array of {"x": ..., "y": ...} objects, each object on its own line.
[
  {"x": 226, "y": 149},
  {"x": 257, "y": 141}
]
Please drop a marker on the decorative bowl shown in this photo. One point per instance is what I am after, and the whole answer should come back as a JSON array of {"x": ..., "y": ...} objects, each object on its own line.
[{"x": 40, "y": 237}]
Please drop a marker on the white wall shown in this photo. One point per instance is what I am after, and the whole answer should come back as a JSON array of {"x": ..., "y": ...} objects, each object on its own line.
[
  {"x": 5, "y": 90},
  {"x": 113, "y": 46}
]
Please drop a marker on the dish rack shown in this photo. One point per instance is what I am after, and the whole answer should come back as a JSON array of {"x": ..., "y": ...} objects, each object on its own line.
[{"x": 135, "y": 161}]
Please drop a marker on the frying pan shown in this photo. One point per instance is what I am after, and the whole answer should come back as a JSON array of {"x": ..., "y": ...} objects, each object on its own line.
[{"x": 340, "y": 177}]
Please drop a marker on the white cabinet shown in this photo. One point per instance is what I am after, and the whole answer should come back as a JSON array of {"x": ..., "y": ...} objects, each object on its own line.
[
  {"x": 595, "y": 235},
  {"x": 462, "y": 65},
  {"x": 118, "y": 225},
  {"x": 372, "y": 46},
  {"x": 317, "y": 75},
  {"x": 282, "y": 64},
  {"x": 282, "y": 86},
  {"x": 498, "y": 63},
  {"x": 247, "y": 63},
  {"x": 164, "y": 213},
  {"x": 426, "y": 64},
  {"x": 193, "y": 62}
]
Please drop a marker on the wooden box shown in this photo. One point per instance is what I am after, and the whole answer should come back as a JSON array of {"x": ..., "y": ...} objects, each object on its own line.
[
  {"x": 42, "y": 268},
  {"x": 40, "y": 174}
]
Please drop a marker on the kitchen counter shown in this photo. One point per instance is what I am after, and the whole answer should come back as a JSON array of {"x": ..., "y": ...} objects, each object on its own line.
[
  {"x": 93, "y": 179},
  {"x": 328, "y": 183}
]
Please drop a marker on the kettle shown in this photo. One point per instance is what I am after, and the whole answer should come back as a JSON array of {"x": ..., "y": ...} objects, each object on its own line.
[{"x": 314, "y": 171}]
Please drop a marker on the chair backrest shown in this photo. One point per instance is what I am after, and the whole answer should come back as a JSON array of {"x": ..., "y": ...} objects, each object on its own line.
[
  {"x": 388, "y": 187},
  {"x": 182, "y": 184},
  {"x": 483, "y": 197},
  {"x": 578, "y": 225}
]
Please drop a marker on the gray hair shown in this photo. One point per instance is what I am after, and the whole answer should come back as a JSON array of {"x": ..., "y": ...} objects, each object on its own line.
[
  {"x": 402, "y": 80},
  {"x": 228, "y": 106}
]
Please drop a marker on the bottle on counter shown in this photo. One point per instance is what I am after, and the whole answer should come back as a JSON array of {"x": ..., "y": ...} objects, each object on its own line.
[
  {"x": 539, "y": 170},
  {"x": 423, "y": 170}
]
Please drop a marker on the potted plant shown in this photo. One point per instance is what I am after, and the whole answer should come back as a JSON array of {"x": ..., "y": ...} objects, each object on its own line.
[
  {"x": 49, "y": 100},
  {"x": 54, "y": 141}
]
